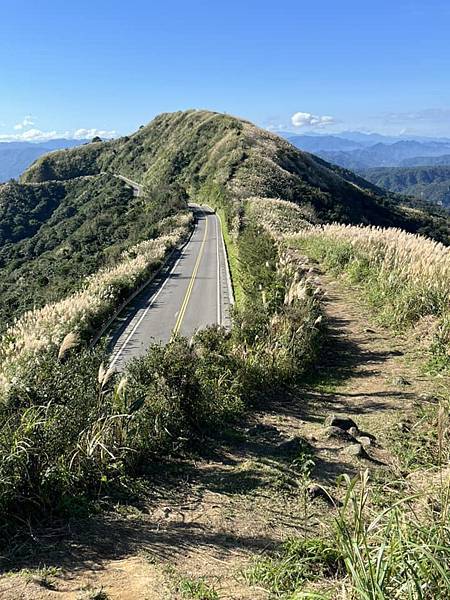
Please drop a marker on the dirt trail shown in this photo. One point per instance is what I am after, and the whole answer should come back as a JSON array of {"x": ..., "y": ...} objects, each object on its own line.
[{"x": 208, "y": 518}]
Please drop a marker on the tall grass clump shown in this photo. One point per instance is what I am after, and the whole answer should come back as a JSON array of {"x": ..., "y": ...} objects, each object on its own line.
[
  {"x": 400, "y": 552},
  {"x": 279, "y": 217},
  {"x": 404, "y": 277},
  {"x": 409, "y": 274}
]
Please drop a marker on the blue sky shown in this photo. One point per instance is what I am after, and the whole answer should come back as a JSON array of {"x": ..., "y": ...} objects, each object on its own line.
[{"x": 77, "y": 67}]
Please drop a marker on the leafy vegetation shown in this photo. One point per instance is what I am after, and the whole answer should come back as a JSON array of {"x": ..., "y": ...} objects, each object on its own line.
[
  {"x": 82, "y": 313},
  {"x": 72, "y": 432},
  {"x": 198, "y": 150},
  {"x": 393, "y": 553},
  {"x": 164, "y": 401}
]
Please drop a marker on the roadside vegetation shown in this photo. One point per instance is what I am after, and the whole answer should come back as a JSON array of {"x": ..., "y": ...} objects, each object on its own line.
[
  {"x": 405, "y": 278},
  {"x": 55, "y": 234},
  {"x": 81, "y": 314},
  {"x": 390, "y": 539},
  {"x": 164, "y": 402}
]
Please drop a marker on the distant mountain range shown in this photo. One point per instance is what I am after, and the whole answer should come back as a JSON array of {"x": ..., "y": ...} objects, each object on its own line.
[
  {"x": 423, "y": 161},
  {"x": 418, "y": 167},
  {"x": 358, "y": 151},
  {"x": 15, "y": 157}
]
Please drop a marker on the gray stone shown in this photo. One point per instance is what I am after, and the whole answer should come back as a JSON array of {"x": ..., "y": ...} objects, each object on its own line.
[
  {"x": 364, "y": 440},
  {"x": 293, "y": 446},
  {"x": 342, "y": 422},
  {"x": 336, "y": 433},
  {"x": 354, "y": 431}
]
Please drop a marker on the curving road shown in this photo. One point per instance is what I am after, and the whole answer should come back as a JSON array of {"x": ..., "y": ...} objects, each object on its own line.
[{"x": 191, "y": 291}]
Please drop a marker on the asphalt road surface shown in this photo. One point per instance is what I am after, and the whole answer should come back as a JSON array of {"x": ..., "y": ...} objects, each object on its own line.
[{"x": 192, "y": 291}]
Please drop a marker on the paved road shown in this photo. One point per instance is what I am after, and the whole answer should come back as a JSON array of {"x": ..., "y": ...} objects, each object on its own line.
[{"x": 191, "y": 292}]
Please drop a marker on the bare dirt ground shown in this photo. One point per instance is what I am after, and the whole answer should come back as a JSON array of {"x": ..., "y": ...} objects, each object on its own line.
[{"x": 208, "y": 518}]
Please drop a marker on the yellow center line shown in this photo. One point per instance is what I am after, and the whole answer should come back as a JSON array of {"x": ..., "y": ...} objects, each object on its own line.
[{"x": 187, "y": 296}]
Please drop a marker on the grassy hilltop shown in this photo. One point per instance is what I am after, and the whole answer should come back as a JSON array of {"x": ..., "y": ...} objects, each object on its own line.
[
  {"x": 69, "y": 216},
  {"x": 199, "y": 150}
]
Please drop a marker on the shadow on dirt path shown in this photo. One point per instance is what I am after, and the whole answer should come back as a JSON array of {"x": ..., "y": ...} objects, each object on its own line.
[{"x": 245, "y": 492}]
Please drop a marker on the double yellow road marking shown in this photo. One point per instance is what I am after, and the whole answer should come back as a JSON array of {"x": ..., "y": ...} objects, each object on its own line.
[{"x": 187, "y": 296}]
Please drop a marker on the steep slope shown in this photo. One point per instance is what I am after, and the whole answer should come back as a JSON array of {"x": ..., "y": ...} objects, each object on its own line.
[
  {"x": 52, "y": 234},
  {"x": 202, "y": 151},
  {"x": 427, "y": 183}
]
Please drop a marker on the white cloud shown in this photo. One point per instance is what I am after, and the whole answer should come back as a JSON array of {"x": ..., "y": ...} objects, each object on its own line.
[
  {"x": 305, "y": 119},
  {"x": 37, "y": 135},
  {"x": 27, "y": 121},
  {"x": 81, "y": 134},
  {"x": 430, "y": 115},
  {"x": 31, "y": 135}
]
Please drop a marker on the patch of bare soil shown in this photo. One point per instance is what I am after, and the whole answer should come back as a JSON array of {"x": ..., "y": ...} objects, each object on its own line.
[{"x": 208, "y": 518}]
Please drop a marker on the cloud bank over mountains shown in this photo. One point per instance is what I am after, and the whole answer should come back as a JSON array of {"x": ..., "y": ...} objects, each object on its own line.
[{"x": 24, "y": 131}]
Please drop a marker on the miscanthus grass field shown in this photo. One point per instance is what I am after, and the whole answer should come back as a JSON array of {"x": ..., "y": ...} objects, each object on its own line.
[
  {"x": 404, "y": 277},
  {"x": 72, "y": 432}
]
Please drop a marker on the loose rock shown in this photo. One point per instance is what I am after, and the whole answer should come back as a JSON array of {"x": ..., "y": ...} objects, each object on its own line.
[
  {"x": 338, "y": 434},
  {"x": 356, "y": 432},
  {"x": 364, "y": 440},
  {"x": 294, "y": 445},
  {"x": 342, "y": 422}
]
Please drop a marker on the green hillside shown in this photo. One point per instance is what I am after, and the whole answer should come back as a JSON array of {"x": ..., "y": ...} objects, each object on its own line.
[
  {"x": 431, "y": 183},
  {"x": 55, "y": 233}
]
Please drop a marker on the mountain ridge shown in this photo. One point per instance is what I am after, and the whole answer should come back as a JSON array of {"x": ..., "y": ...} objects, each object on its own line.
[{"x": 201, "y": 150}]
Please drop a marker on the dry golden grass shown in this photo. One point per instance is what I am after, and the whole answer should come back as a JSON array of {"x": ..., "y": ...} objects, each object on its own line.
[
  {"x": 278, "y": 217},
  {"x": 39, "y": 330},
  {"x": 413, "y": 260}
]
